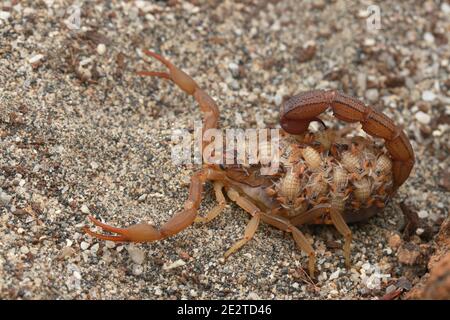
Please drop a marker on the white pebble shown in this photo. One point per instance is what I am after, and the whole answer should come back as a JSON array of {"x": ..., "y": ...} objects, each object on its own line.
[
  {"x": 419, "y": 231},
  {"x": 193, "y": 293},
  {"x": 335, "y": 274},
  {"x": 66, "y": 252},
  {"x": 4, "y": 15},
  {"x": 101, "y": 48},
  {"x": 137, "y": 269},
  {"x": 372, "y": 95},
  {"x": 234, "y": 68},
  {"x": 84, "y": 245},
  {"x": 369, "y": 42},
  {"x": 366, "y": 266},
  {"x": 137, "y": 255},
  {"x": 322, "y": 276},
  {"x": 4, "y": 198},
  {"x": 278, "y": 99},
  {"x": 428, "y": 37},
  {"x": 24, "y": 249},
  {"x": 110, "y": 244},
  {"x": 84, "y": 209},
  {"x": 176, "y": 264},
  {"x": 423, "y": 214},
  {"x": 391, "y": 288},
  {"x": 445, "y": 7},
  {"x": 158, "y": 291},
  {"x": 253, "y": 296},
  {"x": 77, "y": 275},
  {"x": 437, "y": 133},
  {"x": 94, "y": 165},
  {"x": 428, "y": 95},
  {"x": 363, "y": 13},
  {"x": 334, "y": 292},
  {"x": 35, "y": 58},
  {"x": 295, "y": 285},
  {"x": 422, "y": 117},
  {"x": 94, "y": 248}
]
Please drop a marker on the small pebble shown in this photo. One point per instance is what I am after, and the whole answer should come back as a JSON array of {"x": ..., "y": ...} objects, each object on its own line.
[
  {"x": 234, "y": 68},
  {"x": 422, "y": 117},
  {"x": 390, "y": 289},
  {"x": 66, "y": 252},
  {"x": 253, "y": 296},
  {"x": 137, "y": 269},
  {"x": 95, "y": 248},
  {"x": 84, "y": 245},
  {"x": 35, "y": 58},
  {"x": 278, "y": 99},
  {"x": 84, "y": 209},
  {"x": 395, "y": 241},
  {"x": 24, "y": 249},
  {"x": 408, "y": 254},
  {"x": 334, "y": 275},
  {"x": 176, "y": 264},
  {"x": 428, "y": 95},
  {"x": 77, "y": 275},
  {"x": 101, "y": 48},
  {"x": 372, "y": 95},
  {"x": 4, "y": 198},
  {"x": 369, "y": 42},
  {"x": 423, "y": 214},
  {"x": 428, "y": 37},
  {"x": 4, "y": 15},
  {"x": 110, "y": 244},
  {"x": 445, "y": 7},
  {"x": 420, "y": 231},
  {"x": 137, "y": 255},
  {"x": 94, "y": 165}
]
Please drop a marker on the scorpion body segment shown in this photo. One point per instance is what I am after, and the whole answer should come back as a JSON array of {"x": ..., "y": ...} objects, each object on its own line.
[{"x": 303, "y": 108}]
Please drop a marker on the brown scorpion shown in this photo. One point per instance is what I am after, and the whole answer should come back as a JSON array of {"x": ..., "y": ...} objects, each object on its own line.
[{"x": 324, "y": 177}]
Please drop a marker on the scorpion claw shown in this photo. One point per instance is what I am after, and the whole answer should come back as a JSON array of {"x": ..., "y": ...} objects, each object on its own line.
[
  {"x": 105, "y": 227},
  {"x": 141, "y": 232},
  {"x": 103, "y": 236}
]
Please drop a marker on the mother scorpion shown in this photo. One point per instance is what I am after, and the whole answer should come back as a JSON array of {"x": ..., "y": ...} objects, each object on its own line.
[{"x": 324, "y": 179}]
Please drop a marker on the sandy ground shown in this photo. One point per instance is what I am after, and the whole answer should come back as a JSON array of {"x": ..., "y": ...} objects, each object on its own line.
[{"x": 80, "y": 133}]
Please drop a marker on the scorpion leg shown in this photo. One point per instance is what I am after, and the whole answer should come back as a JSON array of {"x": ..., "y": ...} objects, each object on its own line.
[
  {"x": 304, "y": 245},
  {"x": 282, "y": 224},
  {"x": 144, "y": 232},
  {"x": 189, "y": 86},
  {"x": 252, "y": 225},
  {"x": 341, "y": 226},
  {"x": 214, "y": 212},
  {"x": 310, "y": 215},
  {"x": 299, "y": 238}
]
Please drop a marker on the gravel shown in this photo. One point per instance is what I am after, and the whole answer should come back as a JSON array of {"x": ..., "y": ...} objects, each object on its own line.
[{"x": 80, "y": 133}]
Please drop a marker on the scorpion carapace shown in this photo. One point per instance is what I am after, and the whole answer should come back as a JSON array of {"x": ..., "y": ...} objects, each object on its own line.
[{"x": 324, "y": 177}]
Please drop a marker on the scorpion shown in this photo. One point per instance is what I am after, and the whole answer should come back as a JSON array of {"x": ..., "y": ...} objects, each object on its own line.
[{"x": 324, "y": 177}]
